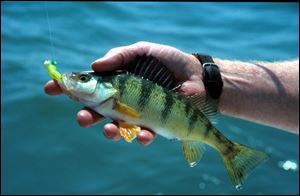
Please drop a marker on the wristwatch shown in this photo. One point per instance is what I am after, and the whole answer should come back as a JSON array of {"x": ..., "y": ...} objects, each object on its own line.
[{"x": 211, "y": 75}]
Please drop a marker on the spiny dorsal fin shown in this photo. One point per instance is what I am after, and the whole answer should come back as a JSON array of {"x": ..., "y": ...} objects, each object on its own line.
[
  {"x": 207, "y": 105},
  {"x": 177, "y": 87},
  {"x": 149, "y": 67}
]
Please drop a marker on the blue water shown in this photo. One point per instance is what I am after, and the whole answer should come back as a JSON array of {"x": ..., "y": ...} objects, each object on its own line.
[{"x": 45, "y": 151}]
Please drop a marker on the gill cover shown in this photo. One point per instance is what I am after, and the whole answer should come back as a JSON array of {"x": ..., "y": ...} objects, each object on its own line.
[
  {"x": 106, "y": 91},
  {"x": 87, "y": 88},
  {"x": 81, "y": 82}
]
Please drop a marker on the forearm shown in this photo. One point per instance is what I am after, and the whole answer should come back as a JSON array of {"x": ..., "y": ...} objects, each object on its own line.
[{"x": 266, "y": 93}]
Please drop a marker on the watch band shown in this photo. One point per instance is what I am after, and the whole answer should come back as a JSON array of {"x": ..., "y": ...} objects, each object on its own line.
[{"x": 211, "y": 75}]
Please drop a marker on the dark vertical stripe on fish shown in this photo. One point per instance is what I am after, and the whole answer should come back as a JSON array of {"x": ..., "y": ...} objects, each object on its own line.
[
  {"x": 222, "y": 140},
  {"x": 187, "y": 108},
  {"x": 122, "y": 81},
  {"x": 227, "y": 146},
  {"x": 193, "y": 118},
  {"x": 169, "y": 101},
  {"x": 209, "y": 127},
  {"x": 230, "y": 149},
  {"x": 115, "y": 82},
  {"x": 146, "y": 90}
]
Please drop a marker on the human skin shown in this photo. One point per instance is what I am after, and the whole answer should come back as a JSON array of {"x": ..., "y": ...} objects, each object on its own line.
[
  {"x": 266, "y": 93},
  {"x": 263, "y": 92}
]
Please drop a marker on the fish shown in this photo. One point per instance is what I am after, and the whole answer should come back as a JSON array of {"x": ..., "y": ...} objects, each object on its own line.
[{"x": 146, "y": 95}]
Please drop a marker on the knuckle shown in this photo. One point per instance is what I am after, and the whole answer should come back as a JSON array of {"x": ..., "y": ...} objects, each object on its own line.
[
  {"x": 142, "y": 43},
  {"x": 113, "y": 50}
]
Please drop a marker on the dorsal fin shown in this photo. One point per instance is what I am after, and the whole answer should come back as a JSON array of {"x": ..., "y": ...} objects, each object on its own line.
[
  {"x": 150, "y": 68},
  {"x": 177, "y": 87},
  {"x": 207, "y": 105}
]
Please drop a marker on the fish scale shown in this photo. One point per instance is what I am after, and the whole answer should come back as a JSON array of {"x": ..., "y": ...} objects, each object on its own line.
[{"x": 169, "y": 107}]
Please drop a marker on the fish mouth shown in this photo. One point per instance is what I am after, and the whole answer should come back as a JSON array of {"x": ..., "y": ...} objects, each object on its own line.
[
  {"x": 71, "y": 96},
  {"x": 66, "y": 87}
]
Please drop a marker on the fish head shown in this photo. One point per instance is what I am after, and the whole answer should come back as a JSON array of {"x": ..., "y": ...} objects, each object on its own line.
[{"x": 86, "y": 87}]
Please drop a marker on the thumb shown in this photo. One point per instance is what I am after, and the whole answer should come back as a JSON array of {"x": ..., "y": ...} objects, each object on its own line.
[
  {"x": 116, "y": 58},
  {"x": 189, "y": 88},
  {"x": 108, "y": 63}
]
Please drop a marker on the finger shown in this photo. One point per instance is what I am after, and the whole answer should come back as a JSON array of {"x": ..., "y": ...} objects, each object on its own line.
[
  {"x": 111, "y": 131},
  {"x": 52, "y": 88},
  {"x": 117, "y": 57},
  {"x": 145, "y": 137},
  {"x": 191, "y": 87},
  {"x": 87, "y": 117}
]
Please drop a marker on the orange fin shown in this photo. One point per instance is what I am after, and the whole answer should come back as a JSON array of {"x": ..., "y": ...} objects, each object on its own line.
[
  {"x": 126, "y": 110},
  {"x": 128, "y": 131}
]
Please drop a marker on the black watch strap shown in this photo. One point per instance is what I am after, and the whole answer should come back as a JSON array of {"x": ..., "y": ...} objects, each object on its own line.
[{"x": 211, "y": 75}]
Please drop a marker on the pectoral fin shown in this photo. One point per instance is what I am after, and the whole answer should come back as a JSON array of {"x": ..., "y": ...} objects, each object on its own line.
[
  {"x": 126, "y": 110},
  {"x": 128, "y": 131},
  {"x": 193, "y": 151}
]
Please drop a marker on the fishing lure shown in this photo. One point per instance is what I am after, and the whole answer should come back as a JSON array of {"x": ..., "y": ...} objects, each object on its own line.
[{"x": 51, "y": 69}]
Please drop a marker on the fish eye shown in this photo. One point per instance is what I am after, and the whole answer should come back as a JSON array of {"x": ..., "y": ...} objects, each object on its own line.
[{"x": 84, "y": 77}]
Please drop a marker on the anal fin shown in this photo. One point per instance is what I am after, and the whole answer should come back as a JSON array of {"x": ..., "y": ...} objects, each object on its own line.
[
  {"x": 193, "y": 151},
  {"x": 128, "y": 131}
]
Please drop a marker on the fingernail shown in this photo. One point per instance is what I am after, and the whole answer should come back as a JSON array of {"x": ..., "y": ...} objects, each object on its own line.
[
  {"x": 101, "y": 59},
  {"x": 109, "y": 135},
  {"x": 96, "y": 61},
  {"x": 83, "y": 119},
  {"x": 144, "y": 138}
]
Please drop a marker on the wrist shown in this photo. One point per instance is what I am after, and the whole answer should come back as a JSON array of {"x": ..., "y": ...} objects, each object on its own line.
[
  {"x": 223, "y": 66},
  {"x": 211, "y": 76},
  {"x": 195, "y": 61},
  {"x": 196, "y": 67}
]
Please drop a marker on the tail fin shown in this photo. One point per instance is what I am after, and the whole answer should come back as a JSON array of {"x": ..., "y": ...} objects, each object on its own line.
[{"x": 240, "y": 161}]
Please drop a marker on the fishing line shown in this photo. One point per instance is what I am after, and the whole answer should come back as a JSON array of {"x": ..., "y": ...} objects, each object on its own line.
[{"x": 49, "y": 30}]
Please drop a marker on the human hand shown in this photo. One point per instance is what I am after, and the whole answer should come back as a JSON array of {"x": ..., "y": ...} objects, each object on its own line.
[{"x": 186, "y": 69}]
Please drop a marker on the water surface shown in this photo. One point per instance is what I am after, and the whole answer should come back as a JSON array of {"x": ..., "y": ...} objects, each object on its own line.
[{"x": 45, "y": 151}]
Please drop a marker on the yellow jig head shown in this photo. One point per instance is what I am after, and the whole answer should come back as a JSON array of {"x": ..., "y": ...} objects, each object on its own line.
[{"x": 51, "y": 68}]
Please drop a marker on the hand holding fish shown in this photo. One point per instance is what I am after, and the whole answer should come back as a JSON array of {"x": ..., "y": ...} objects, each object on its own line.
[
  {"x": 160, "y": 87},
  {"x": 184, "y": 66},
  {"x": 239, "y": 73}
]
